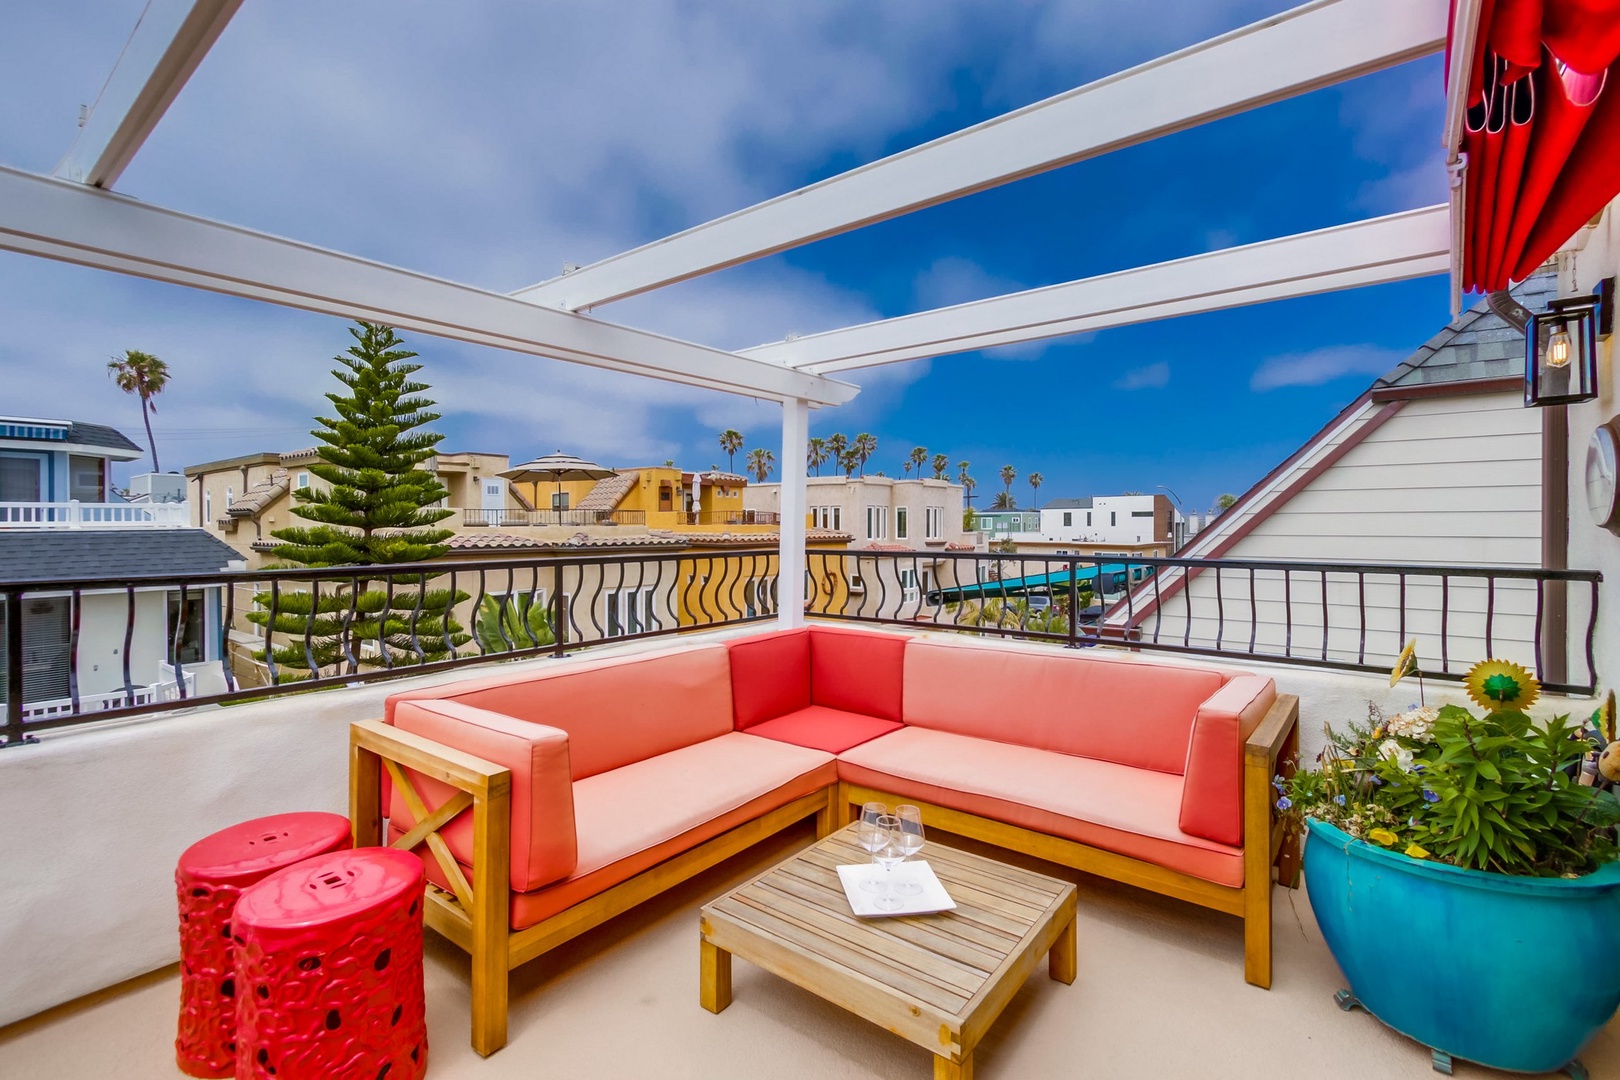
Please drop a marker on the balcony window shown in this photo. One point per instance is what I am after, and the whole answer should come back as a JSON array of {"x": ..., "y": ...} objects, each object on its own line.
[
  {"x": 559, "y": 500},
  {"x": 877, "y": 522},
  {"x": 87, "y": 478},
  {"x": 47, "y": 645},
  {"x": 21, "y": 478},
  {"x": 901, "y": 517},
  {"x": 630, "y": 611},
  {"x": 934, "y": 522},
  {"x": 186, "y": 630}
]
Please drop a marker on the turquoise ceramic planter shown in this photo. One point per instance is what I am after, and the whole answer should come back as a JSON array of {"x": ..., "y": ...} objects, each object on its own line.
[{"x": 1516, "y": 973}]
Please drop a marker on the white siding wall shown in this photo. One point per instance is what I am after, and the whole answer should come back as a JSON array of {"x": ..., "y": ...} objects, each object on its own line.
[{"x": 1445, "y": 482}]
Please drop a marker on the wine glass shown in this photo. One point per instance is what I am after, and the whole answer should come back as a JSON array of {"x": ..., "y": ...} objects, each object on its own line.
[
  {"x": 888, "y": 855},
  {"x": 871, "y": 837},
  {"x": 911, "y": 842}
]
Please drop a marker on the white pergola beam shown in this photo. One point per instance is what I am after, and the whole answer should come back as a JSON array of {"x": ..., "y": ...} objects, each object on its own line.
[
  {"x": 1316, "y": 45},
  {"x": 62, "y": 220},
  {"x": 1400, "y": 246},
  {"x": 166, "y": 46}
]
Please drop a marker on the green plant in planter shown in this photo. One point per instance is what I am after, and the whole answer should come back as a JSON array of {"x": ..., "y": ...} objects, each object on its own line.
[{"x": 1496, "y": 791}]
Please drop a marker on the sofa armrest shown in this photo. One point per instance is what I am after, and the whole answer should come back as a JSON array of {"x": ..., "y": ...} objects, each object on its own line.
[
  {"x": 1212, "y": 789},
  {"x": 543, "y": 846}
]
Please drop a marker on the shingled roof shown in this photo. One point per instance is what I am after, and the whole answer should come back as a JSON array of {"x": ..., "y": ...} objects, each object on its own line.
[
  {"x": 1479, "y": 344},
  {"x": 110, "y": 554},
  {"x": 252, "y": 502}
]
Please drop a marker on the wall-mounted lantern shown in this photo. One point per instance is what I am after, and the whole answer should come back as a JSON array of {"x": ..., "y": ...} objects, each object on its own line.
[{"x": 1561, "y": 347}]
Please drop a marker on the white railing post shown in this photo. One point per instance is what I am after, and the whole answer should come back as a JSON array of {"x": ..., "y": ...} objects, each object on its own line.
[
  {"x": 74, "y": 519},
  {"x": 790, "y": 559}
]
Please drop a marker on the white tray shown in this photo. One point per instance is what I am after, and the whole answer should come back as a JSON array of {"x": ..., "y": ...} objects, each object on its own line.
[{"x": 932, "y": 898}]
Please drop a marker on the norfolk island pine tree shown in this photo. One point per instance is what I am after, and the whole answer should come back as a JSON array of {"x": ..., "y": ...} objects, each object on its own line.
[{"x": 379, "y": 509}]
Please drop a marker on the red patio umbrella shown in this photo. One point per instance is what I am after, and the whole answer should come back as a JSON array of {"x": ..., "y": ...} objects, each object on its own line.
[{"x": 1542, "y": 132}]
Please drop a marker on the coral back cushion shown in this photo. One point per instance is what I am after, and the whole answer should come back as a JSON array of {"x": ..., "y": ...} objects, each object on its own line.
[
  {"x": 770, "y": 676},
  {"x": 1111, "y": 710},
  {"x": 616, "y": 710},
  {"x": 857, "y": 672}
]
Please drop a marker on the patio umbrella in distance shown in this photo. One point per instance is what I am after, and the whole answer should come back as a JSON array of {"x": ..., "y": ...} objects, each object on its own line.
[{"x": 557, "y": 467}]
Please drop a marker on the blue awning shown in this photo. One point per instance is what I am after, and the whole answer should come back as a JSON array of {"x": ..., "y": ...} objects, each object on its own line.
[{"x": 1053, "y": 583}]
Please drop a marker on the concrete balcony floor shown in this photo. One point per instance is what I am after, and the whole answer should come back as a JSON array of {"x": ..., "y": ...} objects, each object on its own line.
[{"x": 1160, "y": 993}]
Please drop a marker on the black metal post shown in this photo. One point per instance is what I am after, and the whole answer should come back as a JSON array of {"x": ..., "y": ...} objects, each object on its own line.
[{"x": 15, "y": 736}]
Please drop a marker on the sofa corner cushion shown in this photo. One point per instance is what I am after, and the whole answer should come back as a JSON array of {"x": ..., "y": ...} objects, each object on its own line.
[
  {"x": 770, "y": 676},
  {"x": 1212, "y": 798},
  {"x": 544, "y": 848},
  {"x": 821, "y": 728},
  {"x": 857, "y": 671}
]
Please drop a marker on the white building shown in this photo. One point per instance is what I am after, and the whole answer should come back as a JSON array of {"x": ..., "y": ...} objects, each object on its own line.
[
  {"x": 105, "y": 645},
  {"x": 1438, "y": 462},
  {"x": 1139, "y": 525}
]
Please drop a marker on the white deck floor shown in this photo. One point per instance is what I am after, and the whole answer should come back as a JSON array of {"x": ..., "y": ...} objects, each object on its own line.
[{"x": 1160, "y": 994}]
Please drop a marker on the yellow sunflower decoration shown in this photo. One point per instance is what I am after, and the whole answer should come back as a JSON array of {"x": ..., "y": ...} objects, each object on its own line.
[
  {"x": 1603, "y": 718},
  {"x": 1495, "y": 685},
  {"x": 1405, "y": 664}
]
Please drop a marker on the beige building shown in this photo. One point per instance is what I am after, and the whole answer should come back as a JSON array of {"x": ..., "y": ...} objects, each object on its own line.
[{"x": 243, "y": 500}]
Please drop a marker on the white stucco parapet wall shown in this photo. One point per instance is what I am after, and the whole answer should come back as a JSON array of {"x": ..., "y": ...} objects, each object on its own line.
[{"x": 97, "y": 817}]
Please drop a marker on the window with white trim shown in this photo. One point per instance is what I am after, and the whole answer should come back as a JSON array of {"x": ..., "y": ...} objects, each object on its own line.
[
  {"x": 934, "y": 522},
  {"x": 630, "y": 611},
  {"x": 901, "y": 516},
  {"x": 877, "y": 522},
  {"x": 908, "y": 584},
  {"x": 303, "y": 481}
]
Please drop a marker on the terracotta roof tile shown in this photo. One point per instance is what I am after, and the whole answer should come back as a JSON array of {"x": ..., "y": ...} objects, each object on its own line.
[
  {"x": 608, "y": 491},
  {"x": 252, "y": 502}
]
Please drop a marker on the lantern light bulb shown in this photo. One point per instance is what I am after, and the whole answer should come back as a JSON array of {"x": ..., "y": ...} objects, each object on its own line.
[{"x": 1558, "y": 347}]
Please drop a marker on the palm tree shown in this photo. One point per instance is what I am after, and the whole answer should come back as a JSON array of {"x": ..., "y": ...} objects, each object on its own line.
[
  {"x": 731, "y": 441},
  {"x": 919, "y": 457},
  {"x": 837, "y": 447},
  {"x": 940, "y": 463},
  {"x": 145, "y": 376},
  {"x": 1035, "y": 482},
  {"x": 1008, "y": 475},
  {"x": 864, "y": 446},
  {"x": 967, "y": 482},
  {"x": 760, "y": 462},
  {"x": 848, "y": 462},
  {"x": 817, "y": 453},
  {"x": 1004, "y": 501}
]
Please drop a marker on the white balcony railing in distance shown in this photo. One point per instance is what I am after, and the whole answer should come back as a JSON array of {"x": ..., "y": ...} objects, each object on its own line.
[{"x": 87, "y": 515}]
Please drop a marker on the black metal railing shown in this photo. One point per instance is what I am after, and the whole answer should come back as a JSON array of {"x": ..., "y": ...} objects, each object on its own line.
[
  {"x": 507, "y": 518},
  {"x": 1342, "y": 616},
  {"x": 81, "y": 650},
  {"x": 733, "y": 517}
]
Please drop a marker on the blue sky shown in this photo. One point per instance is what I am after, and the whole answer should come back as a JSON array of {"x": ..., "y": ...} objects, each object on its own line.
[{"x": 493, "y": 142}]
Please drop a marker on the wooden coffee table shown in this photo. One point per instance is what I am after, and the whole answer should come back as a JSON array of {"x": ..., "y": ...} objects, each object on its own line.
[{"x": 938, "y": 980}]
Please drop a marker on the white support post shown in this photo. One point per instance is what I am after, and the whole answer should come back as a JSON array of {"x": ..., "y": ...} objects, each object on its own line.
[{"x": 790, "y": 559}]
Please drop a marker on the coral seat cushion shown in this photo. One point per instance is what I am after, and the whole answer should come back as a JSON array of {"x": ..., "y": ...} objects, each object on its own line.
[
  {"x": 770, "y": 676},
  {"x": 821, "y": 728},
  {"x": 1118, "y": 808},
  {"x": 633, "y": 818},
  {"x": 857, "y": 672}
]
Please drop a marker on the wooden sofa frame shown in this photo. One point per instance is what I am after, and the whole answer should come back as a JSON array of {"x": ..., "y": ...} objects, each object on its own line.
[
  {"x": 475, "y": 915},
  {"x": 1269, "y": 751}
]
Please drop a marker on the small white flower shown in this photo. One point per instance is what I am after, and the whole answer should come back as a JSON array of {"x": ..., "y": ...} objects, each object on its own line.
[
  {"x": 1390, "y": 750},
  {"x": 1417, "y": 724}
]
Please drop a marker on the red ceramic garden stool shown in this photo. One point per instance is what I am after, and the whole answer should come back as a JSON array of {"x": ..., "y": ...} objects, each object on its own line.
[
  {"x": 210, "y": 876},
  {"x": 329, "y": 970}
]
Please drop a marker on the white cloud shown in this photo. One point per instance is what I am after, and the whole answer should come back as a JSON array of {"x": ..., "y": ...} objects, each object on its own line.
[
  {"x": 1149, "y": 377},
  {"x": 1319, "y": 366}
]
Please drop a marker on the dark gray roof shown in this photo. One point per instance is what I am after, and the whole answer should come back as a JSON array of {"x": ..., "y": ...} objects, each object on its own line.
[
  {"x": 52, "y": 554},
  {"x": 99, "y": 435},
  {"x": 1477, "y": 344},
  {"x": 1067, "y": 504}
]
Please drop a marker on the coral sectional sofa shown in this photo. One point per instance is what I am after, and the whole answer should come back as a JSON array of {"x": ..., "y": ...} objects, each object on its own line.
[{"x": 547, "y": 801}]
